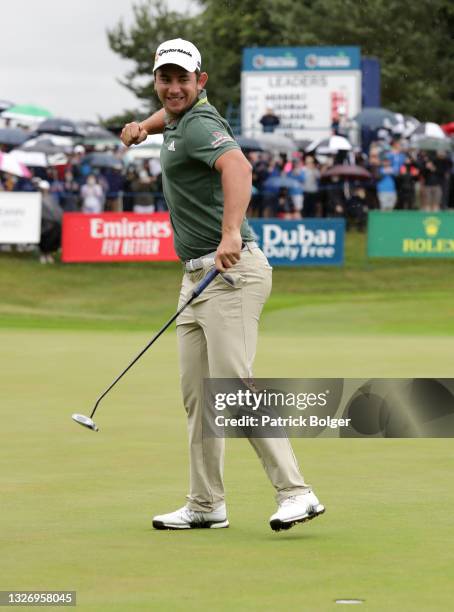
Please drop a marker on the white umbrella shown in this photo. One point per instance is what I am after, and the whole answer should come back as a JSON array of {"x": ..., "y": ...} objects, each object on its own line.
[
  {"x": 8, "y": 163},
  {"x": 30, "y": 158},
  {"x": 333, "y": 144},
  {"x": 429, "y": 129}
]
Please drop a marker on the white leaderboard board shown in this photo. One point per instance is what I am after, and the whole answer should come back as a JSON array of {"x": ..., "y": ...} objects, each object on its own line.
[
  {"x": 20, "y": 218},
  {"x": 305, "y": 86}
]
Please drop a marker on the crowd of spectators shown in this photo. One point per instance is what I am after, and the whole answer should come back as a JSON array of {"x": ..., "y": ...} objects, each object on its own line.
[
  {"x": 284, "y": 186},
  {"x": 78, "y": 186},
  {"x": 399, "y": 178}
]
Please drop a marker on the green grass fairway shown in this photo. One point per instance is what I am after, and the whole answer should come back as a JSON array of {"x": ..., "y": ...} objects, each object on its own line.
[{"x": 76, "y": 506}]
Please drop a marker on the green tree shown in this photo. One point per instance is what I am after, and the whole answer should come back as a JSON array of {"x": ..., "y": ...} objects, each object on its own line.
[
  {"x": 153, "y": 23},
  {"x": 412, "y": 40}
]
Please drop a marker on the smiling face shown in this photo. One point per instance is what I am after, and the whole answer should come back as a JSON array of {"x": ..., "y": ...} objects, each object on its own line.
[{"x": 177, "y": 88}]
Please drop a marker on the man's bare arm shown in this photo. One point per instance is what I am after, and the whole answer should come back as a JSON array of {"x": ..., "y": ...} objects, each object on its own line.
[
  {"x": 236, "y": 173},
  {"x": 135, "y": 133}
]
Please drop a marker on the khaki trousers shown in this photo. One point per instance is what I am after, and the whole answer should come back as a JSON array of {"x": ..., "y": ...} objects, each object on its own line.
[{"x": 217, "y": 337}]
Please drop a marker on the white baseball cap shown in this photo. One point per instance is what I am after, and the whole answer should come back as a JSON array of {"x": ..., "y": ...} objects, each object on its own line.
[{"x": 180, "y": 52}]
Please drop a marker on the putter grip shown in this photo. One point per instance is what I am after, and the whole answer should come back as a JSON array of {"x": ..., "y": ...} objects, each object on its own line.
[{"x": 205, "y": 282}]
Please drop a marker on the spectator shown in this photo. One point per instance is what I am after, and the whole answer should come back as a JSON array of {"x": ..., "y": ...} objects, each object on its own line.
[
  {"x": 128, "y": 197},
  {"x": 70, "y": 196},
  {"x": 396, "y": 156},
  {"x": 444, "y": 167},
  {"x": 432, "y": 181},
  {"x": 50, "y": 224},
  {"x": 297, "y": 195},
  {"x": 92, "y": 196},
  {"x": 406, "y": 181},
  {"x": 311, "y": 191},
  {"x": 115, "y": 186},
  {"x": 269, "y": 121},
  {"x": 356, "y": 210},
  {"x": 386, "y": 186},
  {"x": 142, "y": 187}
]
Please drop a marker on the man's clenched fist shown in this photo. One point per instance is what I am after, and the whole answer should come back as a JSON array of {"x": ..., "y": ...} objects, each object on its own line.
[{"x": 133, "y": 133}]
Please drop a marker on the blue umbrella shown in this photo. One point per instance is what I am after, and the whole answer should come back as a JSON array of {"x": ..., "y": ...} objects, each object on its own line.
[{"x": 275, "y": 183}]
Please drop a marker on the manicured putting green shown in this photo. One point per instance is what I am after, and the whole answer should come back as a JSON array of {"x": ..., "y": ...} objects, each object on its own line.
[{"x": 77, "y": 505}]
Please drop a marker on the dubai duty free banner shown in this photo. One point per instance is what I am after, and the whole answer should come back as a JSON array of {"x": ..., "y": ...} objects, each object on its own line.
[
  {"x": 410, "y": 234},
  {"x": 305, "y": 242},
  {"x": 329, "y": 407}
]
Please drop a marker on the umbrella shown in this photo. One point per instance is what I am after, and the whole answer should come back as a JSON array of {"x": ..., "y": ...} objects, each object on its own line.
[
  {"x": 5, "y": 104},
  {"x": 448, "y": 128},
  {"x": 375, "y": 117},
  {"x": 13, "y": 136},
  {"x": 348, "y": 172},
  {"x": 432, "y": 144},
  {"x": 411, "y": 123},
  {"x": 277, "y": 182},
  {"x": 26, "y": 113},
  {"x": 102, "y": 160},
  {"x": 277, "y": 143},
  {"x": 333, "y": 144},
  {"x": 65, "y": 127},
  {"x": 33, "y": 159},
  {"x": 432, "y": 130},
  {"x": 49, "y": 144},
  {"x": 8, "y": 163},
  {"x": 249, "y": 144}
]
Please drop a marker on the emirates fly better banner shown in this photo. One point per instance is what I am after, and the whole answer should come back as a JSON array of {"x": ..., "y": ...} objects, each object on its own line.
[{"x": 117, "y": 237}]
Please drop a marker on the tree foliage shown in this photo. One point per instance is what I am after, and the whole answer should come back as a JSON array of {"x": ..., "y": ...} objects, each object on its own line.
[{"x": 412, "y": 40}]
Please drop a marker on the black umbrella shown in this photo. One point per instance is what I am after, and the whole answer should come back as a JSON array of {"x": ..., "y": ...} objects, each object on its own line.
[
  {"x": 62, "y": 127},
  {"x": 347, "y": 171},
  {"x": 13, "y": 137},
  {"x": 44, "y": 145},
  {"x": 102, "y": 160}
]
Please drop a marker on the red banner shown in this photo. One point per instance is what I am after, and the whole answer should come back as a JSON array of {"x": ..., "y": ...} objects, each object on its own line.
[{"x": 117, "y": 237}]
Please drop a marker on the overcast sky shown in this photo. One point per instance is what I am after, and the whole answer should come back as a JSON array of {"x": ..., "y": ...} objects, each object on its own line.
[{"x": 55, "y": 54}]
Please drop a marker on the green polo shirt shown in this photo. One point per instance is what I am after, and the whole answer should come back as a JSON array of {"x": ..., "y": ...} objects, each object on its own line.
[{"x": 192, "y": 186}]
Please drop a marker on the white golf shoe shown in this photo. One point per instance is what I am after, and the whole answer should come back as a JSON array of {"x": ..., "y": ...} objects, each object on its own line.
[
  {"x": 185, "y": 518},
  {"x": 296, "y": 509}
]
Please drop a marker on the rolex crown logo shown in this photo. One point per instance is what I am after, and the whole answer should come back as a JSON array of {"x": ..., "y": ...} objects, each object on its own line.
[{"x": 431, "y": 225}]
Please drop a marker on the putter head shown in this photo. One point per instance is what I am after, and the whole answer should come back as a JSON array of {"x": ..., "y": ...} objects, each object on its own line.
[{"x": 85, "y": 421}]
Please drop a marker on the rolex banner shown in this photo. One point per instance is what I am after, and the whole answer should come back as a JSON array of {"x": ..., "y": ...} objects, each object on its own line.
[{"x": 410, "y": 234}]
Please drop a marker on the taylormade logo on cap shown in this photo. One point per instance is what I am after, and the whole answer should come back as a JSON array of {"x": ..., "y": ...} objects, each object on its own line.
[{"x": 180, "y": 52}]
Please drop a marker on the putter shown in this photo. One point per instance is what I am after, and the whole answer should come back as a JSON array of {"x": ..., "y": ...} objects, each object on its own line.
[{"x": 88, "y": 421}]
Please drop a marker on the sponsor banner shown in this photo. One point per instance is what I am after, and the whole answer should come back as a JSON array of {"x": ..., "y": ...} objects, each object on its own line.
[
  {"x": 410, "y": 234},
  {"x": 20, "y": 218},
  {"x": 117, "y": 237},
  {"x": 261, "y": 59},
  {"x": 329, "y": 407},
  {"x": 303, "y": 242}
]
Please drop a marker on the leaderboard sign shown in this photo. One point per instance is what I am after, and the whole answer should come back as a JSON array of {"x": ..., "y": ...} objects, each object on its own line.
[
  {"x": 117, "y": 237},
  {"x": 305, "y": 86},
  {"x": 304, "y": 242},
  {"x": 410, "y": 234}
]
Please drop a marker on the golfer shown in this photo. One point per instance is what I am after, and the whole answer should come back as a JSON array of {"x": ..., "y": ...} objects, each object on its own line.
[{"x": 207, "y": 186}]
